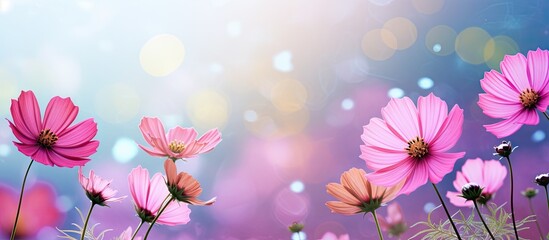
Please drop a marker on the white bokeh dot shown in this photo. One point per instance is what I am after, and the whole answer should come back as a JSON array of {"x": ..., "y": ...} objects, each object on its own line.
[
  {"x": 283, "y": 61},
  {"x": 64, "y": 203},
  {"x": 347, "y": 104},
  {"x": 437, "y": 47},
  {"x": 299, "y": 236},
  {"x": 538, "y": 136},
  {"x": 250, "y": 116},
  {"x": 4, "y": 150},
  {"x": 425, "y": 83},
  {"x": 124, "y": 150},
  {"x": 428, "y": 207},
  {"x": 395, "y": 93},
  {"x": 297, "y": 186}
]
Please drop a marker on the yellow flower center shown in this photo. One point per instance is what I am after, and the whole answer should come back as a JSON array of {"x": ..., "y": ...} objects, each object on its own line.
[
  {"x": 417, "y": 148},
  {"x": 529, "y": 98},
  {"x": 47, "y": 138},
  {"x": 177, "y": 146}
]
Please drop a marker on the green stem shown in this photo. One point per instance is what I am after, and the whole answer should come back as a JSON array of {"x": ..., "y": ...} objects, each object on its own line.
[
  {"x": 533, "y": 213},
  {"x": 86, "y": 222},
  {"x": 447, "y": 213},
  {"x": 158, "y": 215},
  {"x": 512, "y": 202},
  {"x": 482, "y": 219},
  {"x": 377, "y": 225},
  {"x": 137, "y": 230},
  {"x": 20, "y": 201}
]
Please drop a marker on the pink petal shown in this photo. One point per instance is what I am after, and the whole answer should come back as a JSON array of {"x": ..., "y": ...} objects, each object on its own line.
[
  {"x": 543, "y": 102},
  {"x": 377, "y": 158},
  {"x": 20, "y": 135},
  {"x": 441, "y": 164},
  {"x": 449, "y": 132},
  {"x": 158, "y": 191},
  {"x": 78, "y": 134},
  {"x": 185, "y": 135},
  {"x": 139, "y": 186},
  {"x": 461, "y": 180},
  {"x": 497, "y": 86},
  {"x": 494, "y": 175},
  {"x": 153, "y": 132},
  {"x": 83, "y": 151},
  {"x": 26, "y": 114},
  {"x": 34, "y": 152},
  {"x": 339, "y": 192},
  {"x": 176, "y": 213},
  {"x": 474, "y": 170},
  {"x": 153, "y": 152},
  {"x": 457, "y": 200},
  {"x": 66, "y": 161},
  {"x": 395, "y": 213},
  {"x": 498, "y": 108},
  {"x": 210, "y": 139},
  {"x": 417, "y": 178},
  {"x": 527, "y": 116},
  {"x": 386, "y": 176},
  {"x": 60, "y": 113},
  {"x": 401, "y": 116},
  {"x": 355, "y": 181},
  {"x": 432, "y": 113},
  {"x": 504, "y": 128},
  {"x": 537, "y": 70},
  {"x": 514, "y": 69},
  {"x": 342, "y": 208},
  {"x": 376, "y": 133}
]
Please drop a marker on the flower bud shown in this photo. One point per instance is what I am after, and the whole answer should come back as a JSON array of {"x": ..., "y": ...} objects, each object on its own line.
[
  {"x": 529, "y": 192},
  {"x": 542, "y": 179},
  {"x": 504, "y": 149},
  {"x": 471, "y": 191},
  {"x": 296, "y": 227}
]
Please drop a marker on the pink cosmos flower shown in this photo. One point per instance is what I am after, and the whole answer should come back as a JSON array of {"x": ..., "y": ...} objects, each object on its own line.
[
  {"x": 178, "y": 143},
  {"x": 51, "y": 141},
  {"x": 394, "y": 222},
  {"x": 411, "y": 143},
  {"x": 332, "y": 236},
  {"x": 516, "y": 93},
  {"x": 148, "y": 195},
  {"x": 98, "y": 189},
  {"x": 356, "y": 194},
  {"x": 38, "y": 210},
  {"x": 127, "y": 235},
  {"x": 183, "y": 186},
  {"x": 489, "y": 175}
]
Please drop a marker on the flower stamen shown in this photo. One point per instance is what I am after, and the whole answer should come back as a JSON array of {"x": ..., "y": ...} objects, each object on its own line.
[
  {"x": 47, "y": 138},
  {"x": 177, "y": 146},
  {"x": 417, "y": 148},
  {"x": 529, "y": 98}
]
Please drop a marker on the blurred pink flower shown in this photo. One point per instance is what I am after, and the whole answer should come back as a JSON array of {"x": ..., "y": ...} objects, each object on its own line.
[
  {"x": 356, "y": 194},
  {"x": 178, "y": 143},
  {"x": 411, "y": 143},
  {"x": 488, "y": 174},
  {"x": 516, "y": 93},
  {"x": 127, "y": 235},
  {"x": 98, "y": 189},
  {"x": 183, "y": 186},
  {"x": 38, "y": 210},
  {"x": 51, "y": 141},
  {"x": 148, "y": 196},
  {"x": 332, "y": 236},
  {"x": 394, "y": 223}
]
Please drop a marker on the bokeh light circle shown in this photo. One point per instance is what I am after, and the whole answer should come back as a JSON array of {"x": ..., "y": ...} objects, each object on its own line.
[
  {"x": 425, "y": 83},
  {"x": 428, "y": 207},
  {"x": 379, "y": 44},
  {"x": 538, "y": 136},
  {"x": 497, "y": 48},
  {"x": 162, "y": 55},
  {"x": 347, "y": 104},
  {"x": 440, "y": 40},
  {"x": 297, "y": 186},
  {"x": 428, "y": 6},
  {"x": 208, "y": 109},
  {"x": 124, "y": 150},
  {"x": 289, "y": 95},
  {"x": 471, "y": 43},
  {"x": 403, "y": 29},
  {"x": 250, "y": 116},
  {"x": 283, "y": 61},
  {"x": 4, "y": 150},
  {"x": 395, "y": 93}
]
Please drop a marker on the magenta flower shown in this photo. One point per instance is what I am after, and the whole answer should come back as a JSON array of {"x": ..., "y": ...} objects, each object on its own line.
[
  {"x": 51, "y": 141},
  {"x": 516, "y": 93},
  {"x": 98, "y": 189},
  {"x": 39, "y": 210},
  {"x": 489, "y": 175},
  {"x": 178, "y": 143},
  {"x": 411, "y": 143},
  {"x": 148, "y": 195}
]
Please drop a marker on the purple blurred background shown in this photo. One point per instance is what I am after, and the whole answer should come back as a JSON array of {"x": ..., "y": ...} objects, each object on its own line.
[{"x": 289, "y": 84}]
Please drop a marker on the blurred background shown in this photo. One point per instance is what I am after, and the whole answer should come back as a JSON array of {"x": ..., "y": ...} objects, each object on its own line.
[{"x": 289, "y": 84}]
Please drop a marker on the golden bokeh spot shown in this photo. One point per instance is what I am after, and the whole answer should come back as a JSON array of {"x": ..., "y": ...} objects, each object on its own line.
[
  {"x": 440, "y": 40},
  {"x": 288, "y": 95},
  {"x": 162, "y": 55},
  {"x": 497, "y": 48},
  {"x": 208, "y": 109},
  {"x": 471, "y": 43},
  {"x": 404, "y": 31},
  {"x": 379, "y": 44},
  {"x": 428, "y": 6}
]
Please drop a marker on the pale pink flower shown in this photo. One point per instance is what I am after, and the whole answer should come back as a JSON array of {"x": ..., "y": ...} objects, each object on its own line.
[
  {"x": 51, "y": 141},
  {"x": 489, "y": 175},
  {"x": 148, "y": 195},
  {"x": 356, "y": 194},
  {"x": 333, "y": 236},
  {"x": 98, "y": 190},
  {"x": 127, "y": 235},
  {"x": 394, "y": 222},
  {"x": 178, "y": 143},
  {"x": 516, "y": 93},
  {"x": 410, "y": 143},
  {"x": 39, "y": 210},
  {"x": 183, "y": 186}
]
